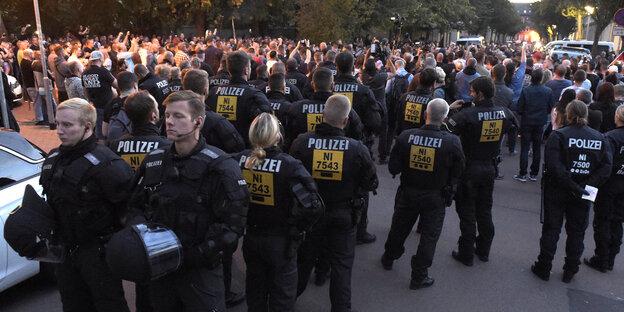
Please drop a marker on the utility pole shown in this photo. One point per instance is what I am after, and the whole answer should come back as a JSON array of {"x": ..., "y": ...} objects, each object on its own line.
[{"x": 44, "y": 66}]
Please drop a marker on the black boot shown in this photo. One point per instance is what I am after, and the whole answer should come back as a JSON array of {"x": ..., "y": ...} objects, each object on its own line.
[
  {"x": 386, "y": 262},
  {"x": 567, "y": 276},
  {"x": 596, "y": 264},
  {"x": 420, "y": 278},
  {"x": 540, "y": 270},
  {"x": 464, "y": 260}
]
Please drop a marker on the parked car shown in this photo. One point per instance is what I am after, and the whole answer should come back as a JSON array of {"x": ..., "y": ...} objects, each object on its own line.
[
  {"x": 15, "y": 87},
  {"x": 20, "y": 165},
  {"x": 571, "y": 52},
  {"x": 606, "y": 46}
]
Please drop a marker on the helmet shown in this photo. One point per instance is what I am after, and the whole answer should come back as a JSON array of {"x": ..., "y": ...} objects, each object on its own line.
[
  {"x": 30, "y": 229},
  {"x": 144, "y": 252}
]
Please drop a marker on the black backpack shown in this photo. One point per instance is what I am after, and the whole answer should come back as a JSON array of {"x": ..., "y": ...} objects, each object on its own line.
[{"x": 399, "y": 87}]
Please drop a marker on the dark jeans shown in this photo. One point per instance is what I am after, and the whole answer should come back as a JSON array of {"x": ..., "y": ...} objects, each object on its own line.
[
  {"x": 189, "y": 289},
  {"x": 530, "y": 136},
  {"x": 337, "y": 225},
  {"x": 559, "y": 204},
  {"x": 473, "y": 203},
  {"x": 87, "y": 284},
  {"x": 409, "y": 203},
  {"x": 271, "y": 282},
  {"x": 609, "y": 210}
]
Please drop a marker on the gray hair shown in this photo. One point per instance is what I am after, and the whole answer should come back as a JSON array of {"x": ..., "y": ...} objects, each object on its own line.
[
  {"x": 584, "y": 95},
  {"x": 437, "y": 110}
]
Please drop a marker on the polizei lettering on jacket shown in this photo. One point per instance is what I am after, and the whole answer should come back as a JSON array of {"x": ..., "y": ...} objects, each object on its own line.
[
  {"x": 268, "y": 165},
  {"x": 312, "y": 108},
  {"x": 328, "y": 144},
  {"x": 417, "y": 99},
  {"x": 493, "y": 115},
  {"x": 218, "y": 82},
  {"x": 286, "y": 90},
  {"x": 585, "y": 143},
  {"x": 424, "y": 141},
  {"x": 345, "y": 88},
  {"x": 230, "y": 91},
  {"x": 136, "y": 146}
]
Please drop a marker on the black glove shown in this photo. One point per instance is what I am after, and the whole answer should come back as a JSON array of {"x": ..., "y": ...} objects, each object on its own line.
[
  {"x": 448, "y": 193},
  {"x": 197, "y": 257},
  {"x": 578, "y": 191}
]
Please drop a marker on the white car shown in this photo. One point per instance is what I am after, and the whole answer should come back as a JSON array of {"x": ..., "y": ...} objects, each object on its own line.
[
  {"x": 20, "y": 164},
  {"x": 15, "y": 87}
]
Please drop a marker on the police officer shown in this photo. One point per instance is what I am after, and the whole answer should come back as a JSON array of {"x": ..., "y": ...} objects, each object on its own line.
[
  {"x": 294, "y": 76},
  {"x": 479, "y": 128},
  {"x": 430, "y": 162},
  {"x": 217, "y": 131},
  {"x": 221, "y": 78},
  {"x": 142, "y": 110},
  {"x": 87, "y": 185},
  {"x": 305, "y": 115},
  {"x": 197, "y": 191},
  {"x": 576, "y": 157},
  {"x": 279, "y": 103},
  {"x": 344, "y": 172},
  {"x": 291, "y": 91},
  {"x": 366, "y": 106},
  {"x": 237, "y": 101},
  {"x": 609, "y": 209},
  {"x": 156, "y": 86},
  {"x": 284, "y": 204},
  {"x": 128, "y": 84},
  {"x": 412, "y": 105}
]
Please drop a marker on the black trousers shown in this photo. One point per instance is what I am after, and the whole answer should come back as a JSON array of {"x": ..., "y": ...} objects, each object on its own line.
[
  {"x": 473, "y": 203},
  {"x": 530, "y": 136},
  {"x": 189, "y": 289},
  {"x": 339, "y": 227},
  {"x": 409, "y": 203},
  {"x": 271, "y": 281},
  {"x": 385, "y": 138},
  {"x": 363, "y": 224},
  {"x": 559, "y": 204},
  {"x": 608, "y": 217},
  {"x": 87, "y": 284}
]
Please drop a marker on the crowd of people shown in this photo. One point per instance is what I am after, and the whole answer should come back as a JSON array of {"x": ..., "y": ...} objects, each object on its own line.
[{"x": 273, "y": 140}]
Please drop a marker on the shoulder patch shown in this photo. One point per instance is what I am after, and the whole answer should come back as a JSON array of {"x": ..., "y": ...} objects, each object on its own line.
[
  {"x": 209, "y": 153},
  {"x": 157, "y": 151},
  {"x": 452, "y": 122},
  {"x": 92, "y": 159},
  {"x": 53, "y": 154}
]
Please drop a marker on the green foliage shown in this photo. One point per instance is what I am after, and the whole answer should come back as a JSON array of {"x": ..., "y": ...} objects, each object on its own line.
[
  {"x": 313, "y": 19},
  {"x": 547, "y": 13}
]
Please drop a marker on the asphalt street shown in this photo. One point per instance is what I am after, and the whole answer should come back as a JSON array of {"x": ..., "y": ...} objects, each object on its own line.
[{"x": 505, "y": 283}]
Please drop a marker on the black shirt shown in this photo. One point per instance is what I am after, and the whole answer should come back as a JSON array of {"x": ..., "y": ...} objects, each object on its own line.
[{"x": 98, "y": 82}]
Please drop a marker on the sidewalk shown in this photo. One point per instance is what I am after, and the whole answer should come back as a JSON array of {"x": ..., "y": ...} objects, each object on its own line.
[{"x": 41, "y": 136}]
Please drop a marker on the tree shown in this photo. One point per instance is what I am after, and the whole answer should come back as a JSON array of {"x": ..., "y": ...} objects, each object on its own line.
[
  {"x": 330, "y": 20},
  {"x": 548, "y": 21},
  {"x": 602, "y": 16}
]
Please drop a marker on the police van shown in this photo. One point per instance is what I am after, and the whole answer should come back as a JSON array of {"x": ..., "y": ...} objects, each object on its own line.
[
  {"x": 466, "y": 41},
  {"x": 606, "y": 46}
]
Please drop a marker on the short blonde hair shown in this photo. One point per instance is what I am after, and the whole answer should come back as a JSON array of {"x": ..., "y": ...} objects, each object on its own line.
[
  {"x": 337, "y": 108},
  {"x": 263, "y": 132},
  {"x": 85, "y": 109}
]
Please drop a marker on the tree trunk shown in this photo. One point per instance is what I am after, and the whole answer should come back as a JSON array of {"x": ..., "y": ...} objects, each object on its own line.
[
  {"x": 597, "y": 32},
  {"x": 200, "y": 19}
]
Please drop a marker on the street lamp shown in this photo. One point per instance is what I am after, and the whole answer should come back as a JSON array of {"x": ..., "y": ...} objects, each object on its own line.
[{"x": 237, "y": 3}]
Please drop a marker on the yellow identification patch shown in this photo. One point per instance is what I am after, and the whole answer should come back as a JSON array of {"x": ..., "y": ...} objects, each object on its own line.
[
  {"x": 226, "y": 107},
  {"x": 134, "y": 160},
  {"x": 313, "y": 120},
  {"x": 349, "y": 95},
  {"x": 327, "y": 165},
  {"x": 412, "y": 112},
  {"x": 260, "y": 186},
  {"x": 422, "y": 158},
  {"x": 491, "y": 131}
]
